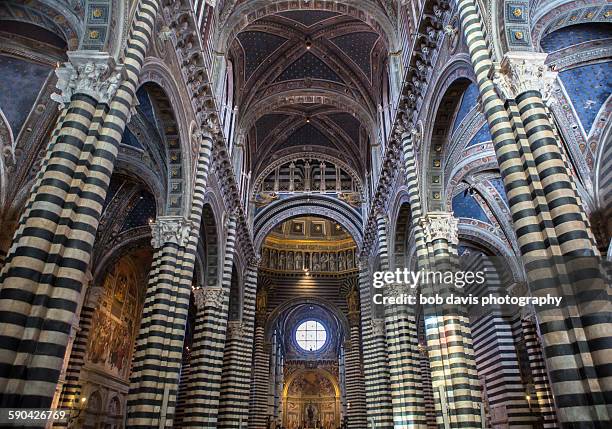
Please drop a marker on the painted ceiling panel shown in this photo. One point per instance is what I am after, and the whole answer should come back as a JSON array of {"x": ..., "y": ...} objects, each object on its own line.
[
  {"x": 266, "y": 124},
  {"x": 308, "y": 135},
  {"x": 467, "y": 206},
  {"x": 358, "y": 46},
  {"x": 483, "y": 135},
  {"x": 498, "y": 184},
  {"x": 588, "y": 87},
  {"x": 257, "y": 47},
  {"x": 348, "y": 123},
  {"x": 575, "y": 34},
  {"x": 130, "y": 139},
  {"x": 308, "y": 66},
  {"x": 26, "y": 76},
  {"x": 307, "y": 17},
  {"x": 141, "y": 213},
  {"x": 468, "y": 101}
]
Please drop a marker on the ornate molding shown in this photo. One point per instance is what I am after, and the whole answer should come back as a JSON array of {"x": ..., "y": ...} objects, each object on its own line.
[
  {"x": 524, "y": 71},
  {"x": 91, "y": 73},
  {"x": 210, "y": 297},
  {"x": 440, "y": 225},
  {"x": 170, "y": 229}
]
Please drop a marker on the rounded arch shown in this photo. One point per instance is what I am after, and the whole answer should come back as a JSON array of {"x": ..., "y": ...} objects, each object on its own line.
[
  {"x": 494, "y": 245},
  {"x": 279, "y": 100},
  {"x": 445, "y": 98},
  {"x": 301, "y": 155},
  {"x": 210, "y": 244},
  {"x": 57, "y": 19},
  {"x": 332, "y": 308},
  {"x": 294, "y": 375},
  {"x": 158, "y": 81},
  {"x": 252, "y": 10},
  {"x": 307, "y": 205},
  {"x": 554, "y": 15},
  {"x": 139, "y": 238}
]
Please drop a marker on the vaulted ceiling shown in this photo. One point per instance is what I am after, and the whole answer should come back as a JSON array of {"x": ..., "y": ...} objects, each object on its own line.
[{"x": 308, "y": 80}]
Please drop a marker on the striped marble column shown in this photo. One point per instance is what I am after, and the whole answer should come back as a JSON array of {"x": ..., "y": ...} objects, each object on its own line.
[
  {"x": 166, "y": 306},
  {"x": 258, "y": 408},
  {"x": 210, "y": 333},
  {"x": 52, "y": 246},
  {"x": 551, "y": 229},
  {"x": 159, "y": 346},
  {"x": 355, "y": 388},
  {"x": 542, "y": 403},
  {"x": 402, "y": 349},
  {"x": 237, "y": 369},
  {"x": 375, "y": 363},
  {"x": 449, "y": 343}
]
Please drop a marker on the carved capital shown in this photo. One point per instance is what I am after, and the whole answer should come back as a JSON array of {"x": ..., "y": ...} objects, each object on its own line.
[
  {"x": 378, "y": 327},
  {"x": 91, "y": 73},
  {"x": 211, "y": 125},
  {"x": 397, "y": 289},
  {"x": 523, "y": 71},
  {"x": 236, "y": 329},
  {"x": 211, "y": 297},
  {"x": 438, "y": 225},
  {"x": 170, "y": 229}
]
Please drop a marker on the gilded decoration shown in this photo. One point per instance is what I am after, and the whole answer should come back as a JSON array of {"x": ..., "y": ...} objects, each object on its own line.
[{"x": 311, "y": 400}]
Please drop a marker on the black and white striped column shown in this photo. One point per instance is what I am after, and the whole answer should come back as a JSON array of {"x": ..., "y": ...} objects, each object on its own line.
[
  {"x": 204, "y": 389},
  {"x": 449, "y": 343},
  {"x": 355, "y": 388},
  {"x": 166, "y": 306},
  {"x": 375, "y": 363},
  {"x": 258, "y": 408},
  {"x": 51, "y": 251},
  {"x": 237, "y": 369}
]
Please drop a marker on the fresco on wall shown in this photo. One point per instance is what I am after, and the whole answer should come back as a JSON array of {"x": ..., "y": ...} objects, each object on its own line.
[{"x": 114, "y": 322}]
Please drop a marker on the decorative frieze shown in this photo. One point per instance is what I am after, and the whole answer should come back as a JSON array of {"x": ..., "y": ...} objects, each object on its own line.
[
  {"x": 170, "y": 229},
  {"x": 440, "y": 225},
  {"x": 524, "y": 71},
  {"x": 91, "y": 73}
]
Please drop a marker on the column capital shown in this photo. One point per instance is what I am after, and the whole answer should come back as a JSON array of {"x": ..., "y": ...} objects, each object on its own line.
[
  {"x": 236, "y": 329},
  {"x": 438, "y": 225},
  {"x": 396, "y": 289},
  {"x": 519, "y": 72},
  {"x": 88, "y": 72},
  {"x": 378, "y": 326},
  {"x": 212, "y": 297},
  {"x": 170, "y": 229}
]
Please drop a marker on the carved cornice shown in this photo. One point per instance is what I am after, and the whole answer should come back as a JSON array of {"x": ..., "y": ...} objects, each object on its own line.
[
  {"x": 170, "y": 229},
  {"x": 88, "y": 72}
]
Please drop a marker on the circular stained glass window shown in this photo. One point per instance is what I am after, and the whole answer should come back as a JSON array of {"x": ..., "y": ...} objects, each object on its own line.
[{"x": 311, "y": 335}]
